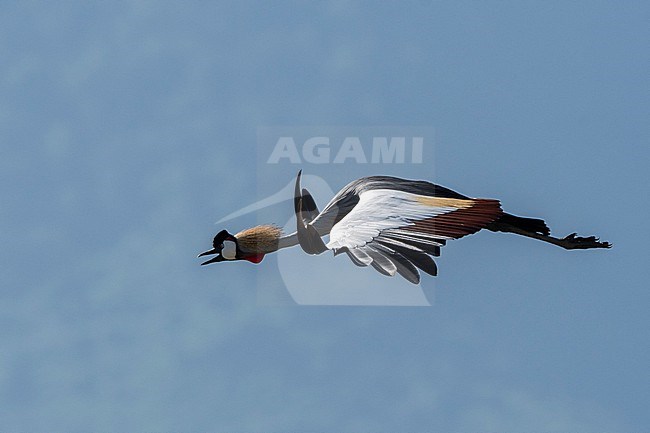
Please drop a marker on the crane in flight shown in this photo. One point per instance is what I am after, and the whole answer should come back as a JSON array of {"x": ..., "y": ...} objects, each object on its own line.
[{"x": 394, "y": 225}]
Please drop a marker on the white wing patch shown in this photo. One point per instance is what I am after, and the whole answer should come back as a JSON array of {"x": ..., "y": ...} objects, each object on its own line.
[{"x": 382, "y": 209}]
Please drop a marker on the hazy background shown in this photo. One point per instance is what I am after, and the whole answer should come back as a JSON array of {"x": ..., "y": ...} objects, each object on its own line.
[{"x": 127, "y": 129}]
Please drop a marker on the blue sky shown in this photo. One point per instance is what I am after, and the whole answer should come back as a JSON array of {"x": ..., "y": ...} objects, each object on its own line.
[{"x": 127, "y": 129}]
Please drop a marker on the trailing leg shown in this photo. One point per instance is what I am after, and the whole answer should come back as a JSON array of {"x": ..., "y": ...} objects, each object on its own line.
[{"x": 537, "y": 229}]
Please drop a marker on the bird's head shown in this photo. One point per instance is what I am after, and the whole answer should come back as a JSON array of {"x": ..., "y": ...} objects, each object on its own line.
[
  {"x": 250, "y": 244},
  {"x": 224, "y": 247}
]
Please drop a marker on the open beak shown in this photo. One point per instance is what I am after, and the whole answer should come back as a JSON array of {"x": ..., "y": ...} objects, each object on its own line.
[
  {"x": 208, "y": 253},
  {"x": 218, "y": 258}
]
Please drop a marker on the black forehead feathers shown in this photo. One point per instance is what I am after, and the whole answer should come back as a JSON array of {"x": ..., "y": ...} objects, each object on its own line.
[{"x": 220, "y": 237}]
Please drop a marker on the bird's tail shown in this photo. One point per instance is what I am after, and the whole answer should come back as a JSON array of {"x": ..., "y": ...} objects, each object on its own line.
[{"x": 508, "y": 221}]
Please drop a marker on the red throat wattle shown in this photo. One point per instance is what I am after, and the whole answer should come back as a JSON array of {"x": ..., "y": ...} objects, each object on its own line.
[{"x": 255, "y": 258}]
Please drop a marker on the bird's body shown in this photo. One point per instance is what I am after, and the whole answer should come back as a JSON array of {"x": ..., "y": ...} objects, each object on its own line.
[{"x": 394, "y": 225}]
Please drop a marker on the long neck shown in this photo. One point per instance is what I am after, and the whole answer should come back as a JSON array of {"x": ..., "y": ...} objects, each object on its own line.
[{"x": 288, "y": 241}]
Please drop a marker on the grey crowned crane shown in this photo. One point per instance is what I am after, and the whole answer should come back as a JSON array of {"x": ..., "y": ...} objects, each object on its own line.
[{"x": 394, "y": 225}]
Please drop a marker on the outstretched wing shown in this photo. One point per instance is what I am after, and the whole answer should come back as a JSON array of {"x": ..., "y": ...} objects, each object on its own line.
[{"x": 395, "y": 231}]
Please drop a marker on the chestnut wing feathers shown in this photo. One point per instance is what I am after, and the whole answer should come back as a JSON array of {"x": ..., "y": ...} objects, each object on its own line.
[{"x": 395, "y": 230}]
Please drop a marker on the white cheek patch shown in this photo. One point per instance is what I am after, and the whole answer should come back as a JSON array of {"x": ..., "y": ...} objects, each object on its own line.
[{"x": 229, "y": 250}]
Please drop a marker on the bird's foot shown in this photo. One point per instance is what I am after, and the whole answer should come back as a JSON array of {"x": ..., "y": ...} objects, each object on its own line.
[{"x": 573, "y": 242}]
